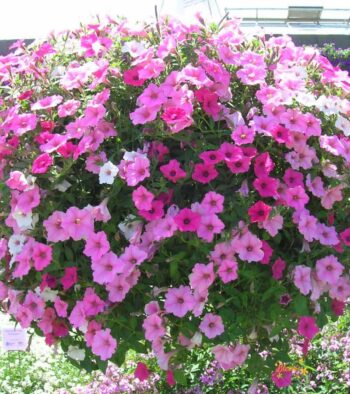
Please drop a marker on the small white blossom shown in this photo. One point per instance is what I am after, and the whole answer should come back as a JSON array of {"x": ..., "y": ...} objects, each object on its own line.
[
  {"x": 16, "y": 243},
  {"x": 63, "y": 186},
  {"x": 108, "y": 172},
  {"x": 24, "y": 220},
  {"x": 76, "y": 353}
]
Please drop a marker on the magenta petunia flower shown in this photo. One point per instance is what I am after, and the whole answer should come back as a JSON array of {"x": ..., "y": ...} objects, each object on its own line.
[
  {"x": 277, "y": 268},
  {"x": 259, "y": 212},
  {"x": 204, "y": 173},
  {"x": 307, "y": 327},
  {"x": 172, "y": 171},
  {"x": 187, "y": 220},
  {"x": 42, "y": 163}
]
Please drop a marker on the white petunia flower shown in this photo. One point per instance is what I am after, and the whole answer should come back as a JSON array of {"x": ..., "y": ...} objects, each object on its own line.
[
  {"x": 24, "y": 220},
  {"x": 108, "y": 172},
  {"x": 134, "y": 48},
  {"x": 343, "y": 124},
  {"x": 47, "y": 294},
  {"x": 63, "y": 186},
  {"x": 16, "y": 243},
  {"x": 76, "y": 353}
]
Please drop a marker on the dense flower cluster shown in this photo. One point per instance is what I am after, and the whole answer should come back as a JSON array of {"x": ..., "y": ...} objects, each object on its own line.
[{"x": 165, "y": 185}]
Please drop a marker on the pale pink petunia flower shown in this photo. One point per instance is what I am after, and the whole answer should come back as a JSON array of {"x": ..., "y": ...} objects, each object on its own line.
[
  {"x": 341, "y": 289},
  {"x": 331, "y": 196},
  {"x": 210, "y": 225},
  {"x": 78, "y": 223},
  {"x": 179, "y": 301},
  {"x": 202, "y": 276},
  {"x": 106, "y": 268},
  {"x": 329, "y": 269},
  {"x": 228, "y": 271},
  {"x": 212, "y": 325},
  {"x": 302, "y": 279},
  {"x": 118, "y": 288},
  {"x": 272, "y": 225},
  {"x": 103, "y": 344},
  {"x": 96, "y": 245},
  {"x": 55, "y": 230},
  {"x": 153, "y": 327},
  {"x": 142, "y": 198},
  {"x": 213, "y": 202},
  {"x": 249, "y": 247}
]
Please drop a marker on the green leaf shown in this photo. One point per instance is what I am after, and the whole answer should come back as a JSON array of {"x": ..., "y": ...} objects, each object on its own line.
[
  {"x": 180, "y": 377},
  {"x": 300, "y": 305}
]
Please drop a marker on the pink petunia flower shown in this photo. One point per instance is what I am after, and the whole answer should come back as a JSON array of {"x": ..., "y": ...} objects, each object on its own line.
[
  {"x": 228, "y": 271},
  {"x": 103, "y": 344},
  {"x": 70, "y": 277},
  {"x": 345, "y": 236},
  {"x": 106, "y": 268},
  {"x": 266, "y": 186},
  {"x": 78, "y": 223},
  {"x": 212, "y": 157},
  {"x": 341, "y": 289},
  {"x": 153, "y": 327},
  {"x": 142, "y": 198},
  {"x": 329, "y": 269},
  {"x": 213, "y": 202},
  {"x": 296, "y": 197},
  {"x": 202, "y": 276},
  {"x": 179, "y": 301},
  {"x": 118, "y": 288},
  {"x": 282, "y": 376},
  {"x": 60, "y": 307},
  {"x": 302, "y": 279},
  {"x": 97, "y": 245},
  {"x": 209, "y": 226},
  {"x": 212, "y": 325},
  {"x": 42, "y": 256},
  {"x": 141, "y": 372},
  {"x": 243, "y": 135},
  {"x": 248, "y": 247},
  {"x": 55, "y": 230}
]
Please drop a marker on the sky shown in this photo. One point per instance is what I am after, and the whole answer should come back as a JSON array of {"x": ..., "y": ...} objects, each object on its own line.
[{"x": 37, "y": 18}]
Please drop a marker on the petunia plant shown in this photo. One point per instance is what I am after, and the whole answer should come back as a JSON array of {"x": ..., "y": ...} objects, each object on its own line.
[{"x": 166, "y": 186}]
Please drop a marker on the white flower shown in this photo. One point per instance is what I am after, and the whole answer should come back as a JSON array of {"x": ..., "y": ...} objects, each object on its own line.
[
  {"x": 131, "y": 156},
  {"x": 63, "y": 186},
  {"x": 134, "y": 48},
  {"x": 76, "y": 353},
  {"x": 47, "y": 294},
  {"x": 129, "y": 227},
  {"x": 16, "y": 243},
  {"x": 24, "y": 220},
  {"x": 307, "y": 99},
  {"x": 108, "y": 172},
  {"x": 343, "y": 124}
]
